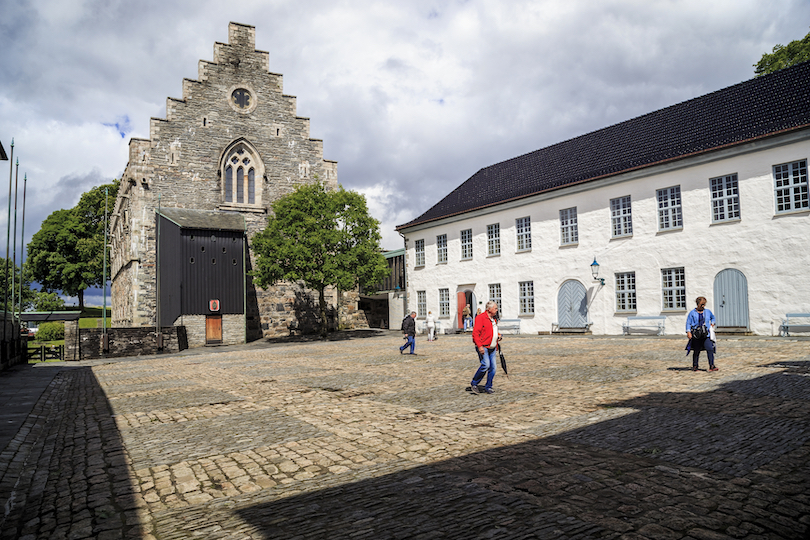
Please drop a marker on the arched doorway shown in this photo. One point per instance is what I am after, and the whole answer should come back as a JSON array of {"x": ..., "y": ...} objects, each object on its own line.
[
  {"x": 465, "y": 297},
  {"x": 572, "y": 305},
  {"x": 731, "y": 300}
]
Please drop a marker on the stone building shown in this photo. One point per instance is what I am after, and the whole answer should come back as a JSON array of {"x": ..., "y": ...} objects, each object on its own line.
[
  {"x": 226, "y": 150},
  {"x": 708, "y": 197}
]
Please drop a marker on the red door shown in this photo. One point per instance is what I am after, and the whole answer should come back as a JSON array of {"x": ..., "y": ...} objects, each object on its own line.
[{"x": 461, "y": 301}]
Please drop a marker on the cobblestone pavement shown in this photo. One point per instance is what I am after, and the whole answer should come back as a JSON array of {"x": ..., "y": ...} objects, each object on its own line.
[{"x": 588, "y": 438}]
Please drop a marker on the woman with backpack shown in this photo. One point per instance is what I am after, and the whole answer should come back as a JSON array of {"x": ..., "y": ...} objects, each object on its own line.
[{"x": 699, "y": 325}]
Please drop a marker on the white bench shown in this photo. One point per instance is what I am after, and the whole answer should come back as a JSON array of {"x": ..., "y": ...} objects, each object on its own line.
[
  {"x": 795, "y": 322},
  {"x": 650, "y": 325},
  {"x": 509, "y": 326}
]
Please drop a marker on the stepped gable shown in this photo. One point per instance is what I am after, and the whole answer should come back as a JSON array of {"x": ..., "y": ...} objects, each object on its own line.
[{"x": 751, "y": 110}]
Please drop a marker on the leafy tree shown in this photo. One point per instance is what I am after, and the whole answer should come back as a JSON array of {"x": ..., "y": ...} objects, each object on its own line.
[
  {"x": 322, "y": 238},
  {"x": 48, "y": 301},
  {"x": 5, "y": 288},
  {"x": 67, "y": 252},
  {"x": 795, "y": 52}
]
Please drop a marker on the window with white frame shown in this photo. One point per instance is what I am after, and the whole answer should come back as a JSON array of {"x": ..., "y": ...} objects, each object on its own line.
[
  {"x": 790, "y": 186},
  {"x": 466, "y": 244},
  {"x": 523, "y": 227},
  {"x": 669, "y": 208},
  {"x": 441, "y": 248},
  {"x": 621, "y": 216},
  {"x": 626, "y": 291},
  {"x": 421, "y": 303},
  {"x": 673, "y": 286},
  {"x": 444, "y": 302},
  {"x": 495, "y": 294},
  {"x": 419, "y": 247},
  {"x": 569, "y": 232},
  {"x": 725, "y": 198},
  {"x": 494, "y": 239},
  {"x": 526, "y": 297}
]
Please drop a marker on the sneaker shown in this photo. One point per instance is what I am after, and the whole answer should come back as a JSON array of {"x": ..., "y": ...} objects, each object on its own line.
[
  {"x": 474, "y": 389},
  {"x": 490, "y": 391},
  {"x": 713, "y": 369},
  {"x": 694, "y": 369},
  {"x": 402, "y": 351}
]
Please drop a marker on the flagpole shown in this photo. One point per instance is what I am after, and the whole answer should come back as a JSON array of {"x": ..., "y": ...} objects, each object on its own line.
[
  {"x": 104, "y": 273},
  {"x": 14, "y": 256},
  {"x": 8, "y": 233},
  {"x": 22, "y": 246}
]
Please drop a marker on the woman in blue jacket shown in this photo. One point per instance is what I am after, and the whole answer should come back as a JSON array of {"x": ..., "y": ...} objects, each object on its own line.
[{"x": 698, "y": 324}]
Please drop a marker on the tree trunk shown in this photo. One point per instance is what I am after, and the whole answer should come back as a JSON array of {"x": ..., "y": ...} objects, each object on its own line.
[
  {"x": 322, "y": 306},
  {"x": 81, "y": 300}
]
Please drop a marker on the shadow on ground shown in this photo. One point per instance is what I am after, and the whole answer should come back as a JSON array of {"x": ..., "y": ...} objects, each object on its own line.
[
  {"x": 65, "y": 475},
  {"x": 728, "y": 462}
]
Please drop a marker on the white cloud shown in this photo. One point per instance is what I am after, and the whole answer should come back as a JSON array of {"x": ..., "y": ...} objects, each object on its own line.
[{"x": 410, "y": 98}]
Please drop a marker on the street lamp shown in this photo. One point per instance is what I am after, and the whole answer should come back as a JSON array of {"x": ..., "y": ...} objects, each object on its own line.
[{"x": 595, "y": 272}]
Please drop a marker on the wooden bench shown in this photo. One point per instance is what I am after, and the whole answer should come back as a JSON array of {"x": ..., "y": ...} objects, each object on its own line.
[
  {"x": 795, "y": 322},
  {"x": 509, "y": 326},
  {"x": 650, "y": 325},
  {"x": 557, "y": 329}
]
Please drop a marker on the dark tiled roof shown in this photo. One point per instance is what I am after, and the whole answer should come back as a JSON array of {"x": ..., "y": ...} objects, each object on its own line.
[
  {"x": 749, "y": 110},
  {"x": 204, "y": 219}
]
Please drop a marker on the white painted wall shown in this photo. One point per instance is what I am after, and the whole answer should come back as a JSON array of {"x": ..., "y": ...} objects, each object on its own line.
[{"x": 770, "y": 249}]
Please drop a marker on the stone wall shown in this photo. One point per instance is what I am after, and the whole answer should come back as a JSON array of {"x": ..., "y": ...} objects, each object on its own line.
[
  {"x": 233, "y": 329},
  {"x": 86, "y": 343}
]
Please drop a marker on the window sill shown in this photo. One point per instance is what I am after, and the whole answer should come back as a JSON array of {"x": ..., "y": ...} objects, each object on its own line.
[
  {"x": 441, "y": 262},
  {"x": 725, "y": 221},
  {"x": 674, "y": 310},
  {"x": 670, "y": 230},
  {"x": 493, "y": 255},
  {"x": 242, "y": 208},
  {"x": 569, "y": 245},
  {"x": 525, "y": 315},
  {"x": 624, "y": 313},
  {"x": 529, "y": 250},
  {"x": 621, "y": 237},
  {"x": 467, "y": 259},
  {"x": 800, "y": 211}
]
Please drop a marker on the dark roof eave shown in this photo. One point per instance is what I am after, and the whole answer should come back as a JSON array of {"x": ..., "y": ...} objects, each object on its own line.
[{"x": 399, "y": 228}]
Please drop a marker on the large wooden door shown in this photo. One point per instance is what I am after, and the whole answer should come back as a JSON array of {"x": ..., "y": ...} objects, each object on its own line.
[
  {"x": 731, "y": 299},
  {"x": 213, "y": 329},
  {"x": 572, "y": 305}
]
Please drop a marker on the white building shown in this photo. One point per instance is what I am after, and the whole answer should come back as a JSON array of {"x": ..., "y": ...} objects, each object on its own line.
[{"x": 708, "y": 197}]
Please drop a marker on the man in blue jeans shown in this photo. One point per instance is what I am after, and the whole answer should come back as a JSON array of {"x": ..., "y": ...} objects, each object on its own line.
[
  {"x": 486, "y": 337},
  {"x": 409, "y": 329}
]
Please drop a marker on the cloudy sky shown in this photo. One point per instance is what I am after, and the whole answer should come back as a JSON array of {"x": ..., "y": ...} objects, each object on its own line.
[{"x": 411, "y": 98}]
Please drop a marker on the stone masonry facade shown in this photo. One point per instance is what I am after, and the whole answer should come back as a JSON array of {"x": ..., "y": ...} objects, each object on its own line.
[{"x": 232, "y": 143}]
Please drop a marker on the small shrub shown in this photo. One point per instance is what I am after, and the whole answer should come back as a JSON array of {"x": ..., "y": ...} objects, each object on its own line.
[{"x": 51, "y": 331}]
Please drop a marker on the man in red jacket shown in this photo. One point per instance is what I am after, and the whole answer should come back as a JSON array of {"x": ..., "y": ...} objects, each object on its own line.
[{"x": 486, "y": 337}]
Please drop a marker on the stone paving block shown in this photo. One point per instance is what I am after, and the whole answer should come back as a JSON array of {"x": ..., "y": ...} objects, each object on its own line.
[{"x": 165, "y": 444}]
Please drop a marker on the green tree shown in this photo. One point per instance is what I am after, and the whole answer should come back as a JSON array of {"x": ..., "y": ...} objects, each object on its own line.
[
  {"x": 321, "y": 238},
  {"x": 66, "y": 253},
  {"x": 795, "y": 52},
  {"x": 5, "y": 288},
  {"x": 48, "y": 301}
]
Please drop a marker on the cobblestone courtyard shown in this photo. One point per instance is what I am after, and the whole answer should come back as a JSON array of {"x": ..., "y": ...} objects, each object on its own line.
[{"x": 599, "y": 437}]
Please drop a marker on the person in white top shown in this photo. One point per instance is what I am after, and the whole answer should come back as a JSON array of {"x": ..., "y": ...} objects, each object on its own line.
[{"x": 430, "y": 321}]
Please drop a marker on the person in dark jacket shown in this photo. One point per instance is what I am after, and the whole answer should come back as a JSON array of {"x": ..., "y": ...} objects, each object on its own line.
[{"x": 409, "y": 329}]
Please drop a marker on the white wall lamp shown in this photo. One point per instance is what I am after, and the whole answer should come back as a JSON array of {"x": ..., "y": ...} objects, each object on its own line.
[{"x": 595, "y": 272}]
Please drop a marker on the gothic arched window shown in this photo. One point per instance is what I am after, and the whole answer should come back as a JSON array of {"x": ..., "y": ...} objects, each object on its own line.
[{"x": 241, "y": 167}]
